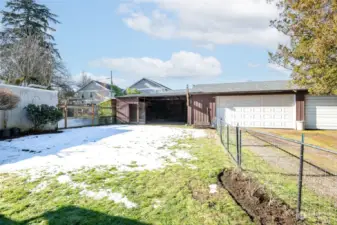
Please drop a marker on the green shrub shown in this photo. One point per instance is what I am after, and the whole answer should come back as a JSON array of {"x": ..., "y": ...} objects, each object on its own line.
[
  {"x": 40, "y": 115},
  {"x": 105, "y": 109},
  {"x": 132, "y": 91}
]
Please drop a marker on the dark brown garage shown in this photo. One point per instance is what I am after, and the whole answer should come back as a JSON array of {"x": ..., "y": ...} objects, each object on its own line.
[
  {"x": 203, "y": 103},
  {"x": 168, "y": 107}
]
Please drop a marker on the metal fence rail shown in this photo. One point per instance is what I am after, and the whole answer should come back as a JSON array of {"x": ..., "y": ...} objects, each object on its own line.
[{"x": 303, "y": 175}]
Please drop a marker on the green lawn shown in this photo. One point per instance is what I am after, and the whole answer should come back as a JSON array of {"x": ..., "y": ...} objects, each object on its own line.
[{"x": 177, "y": 194}]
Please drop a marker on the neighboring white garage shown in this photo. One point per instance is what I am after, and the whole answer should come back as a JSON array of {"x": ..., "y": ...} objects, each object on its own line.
[
  {"x": 265, "y": 111},
  {"x": 320, "y": 112}
]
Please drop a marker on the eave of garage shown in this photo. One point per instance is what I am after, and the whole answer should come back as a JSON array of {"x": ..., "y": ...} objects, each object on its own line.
[{"x": 249, "y": 92}]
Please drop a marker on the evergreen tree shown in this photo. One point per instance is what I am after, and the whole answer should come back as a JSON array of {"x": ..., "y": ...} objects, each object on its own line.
[
  {"x": 312, "y": 53},
  {"x": 28, "y": 18}
]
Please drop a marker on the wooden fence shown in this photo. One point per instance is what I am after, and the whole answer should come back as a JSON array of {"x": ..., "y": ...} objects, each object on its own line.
[{"x": 90, "y": 115}]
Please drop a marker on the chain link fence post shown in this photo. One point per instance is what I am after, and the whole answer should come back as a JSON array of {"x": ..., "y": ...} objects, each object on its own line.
[
  {"x": 228, "y": 137},
  {"x": 300, "y": 181},
  {"x": 221, "y": 132},
  {"x": 237, "y": 145},
  {"x": 240, "y": 147}
]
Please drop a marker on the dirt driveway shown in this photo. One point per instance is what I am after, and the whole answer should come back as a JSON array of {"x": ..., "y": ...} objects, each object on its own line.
[
  {"x": 284, "y": 156},
  {"x": 322, "y": 138}
]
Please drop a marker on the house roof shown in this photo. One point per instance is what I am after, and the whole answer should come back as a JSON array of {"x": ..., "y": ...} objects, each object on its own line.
[
  {"x": 250, "y": 86},
  {"x": 107, "y": 86},
  {"x": 152, "y": 81},
  {"x": 181, "y": 92}
]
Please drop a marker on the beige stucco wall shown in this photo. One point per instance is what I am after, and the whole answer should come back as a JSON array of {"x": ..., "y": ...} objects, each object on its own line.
[{"x": 17, "y": 117}]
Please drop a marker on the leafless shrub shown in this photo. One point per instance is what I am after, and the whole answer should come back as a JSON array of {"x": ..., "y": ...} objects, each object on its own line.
[{"x": 8, "y": 100}]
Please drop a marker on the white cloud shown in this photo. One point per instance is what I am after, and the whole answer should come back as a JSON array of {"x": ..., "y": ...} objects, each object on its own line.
[
  {"x": 253, "y": 65},
  {"x": 208, "y": 46},
  {"x": 102, "y": 78},
  {"x": 278, "y": 68},
  {"x": 125, "y": 8},
  {"x": 181, "y": 64},
  {"x": 207, "y": 21}
]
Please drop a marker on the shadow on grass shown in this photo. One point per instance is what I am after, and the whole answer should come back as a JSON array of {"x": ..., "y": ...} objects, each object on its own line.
[{"x": 74, "y": 215}]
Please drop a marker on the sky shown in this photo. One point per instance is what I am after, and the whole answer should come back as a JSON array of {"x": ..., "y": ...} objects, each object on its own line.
[{"x": 174, "y": 42}]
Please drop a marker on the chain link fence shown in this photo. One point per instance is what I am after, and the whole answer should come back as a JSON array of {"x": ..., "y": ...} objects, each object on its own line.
[{"x": 302, "y": 175}]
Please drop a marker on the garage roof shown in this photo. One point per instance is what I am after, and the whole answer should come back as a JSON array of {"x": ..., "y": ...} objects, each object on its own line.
[
  {"x": 238, "y": 87},
  {"x": 251, "y": 86}
]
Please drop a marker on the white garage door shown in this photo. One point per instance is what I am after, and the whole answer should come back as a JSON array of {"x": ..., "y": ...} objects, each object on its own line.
[
  {"x": 266, "y": 111},
  {"x": 320, "y": 112}
]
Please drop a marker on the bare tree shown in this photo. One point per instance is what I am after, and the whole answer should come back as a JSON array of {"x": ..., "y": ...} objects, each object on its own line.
[
  {"x": 26, "y": 62},
  {"x": 8, "y": 100},
  {"x": 84, "y": 80}
]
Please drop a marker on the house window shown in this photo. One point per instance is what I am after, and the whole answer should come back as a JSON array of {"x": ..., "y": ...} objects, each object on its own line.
[
  {"x": 82, "y": 95},
  {"x": 90, "y": 94}
]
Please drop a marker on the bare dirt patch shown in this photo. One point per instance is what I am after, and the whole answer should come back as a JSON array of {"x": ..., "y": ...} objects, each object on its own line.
[{"x": 255, "y": 200}]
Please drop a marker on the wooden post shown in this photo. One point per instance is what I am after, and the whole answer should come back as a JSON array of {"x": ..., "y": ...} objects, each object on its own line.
[
  {"x": 113, "y": 109},
  {"x": 187, "y": 96},
  {"x": 66, "y": 115},
  {"x": 93, "y": 114},
  {"x": 138, "y": 110}
]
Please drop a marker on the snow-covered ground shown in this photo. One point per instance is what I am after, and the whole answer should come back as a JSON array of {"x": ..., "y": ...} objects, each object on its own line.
[{"x": 143, "y": 147}]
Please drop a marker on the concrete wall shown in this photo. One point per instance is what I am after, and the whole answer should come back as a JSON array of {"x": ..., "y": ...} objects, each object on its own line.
[{"x": 17, "y": 117}]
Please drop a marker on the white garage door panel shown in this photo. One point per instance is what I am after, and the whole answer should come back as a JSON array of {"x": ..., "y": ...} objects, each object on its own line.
[
  {"x": 269, "y": 111},
  {"x": 321, "y": 112}
]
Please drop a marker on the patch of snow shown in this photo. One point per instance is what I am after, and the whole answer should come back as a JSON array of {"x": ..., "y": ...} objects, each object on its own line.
[
  {"x": 200, "y": 134},
  {"x": 64, "y": 179},
  {"x": 193, "y": 167},
  {"x": 183, "y": 155},
  {"x": 156, "y": 203},
  {"x": 40, "y": 187},
  {"x": 112, "y": 196},
  {"x": 213, "y": 188},
  {"x": 113, "y": 146}
]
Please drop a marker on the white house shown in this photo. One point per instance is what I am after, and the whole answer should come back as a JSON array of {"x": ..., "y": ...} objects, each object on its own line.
[
  {"x": 146, "y": 85},
  {"x": 94, "y": 92}
]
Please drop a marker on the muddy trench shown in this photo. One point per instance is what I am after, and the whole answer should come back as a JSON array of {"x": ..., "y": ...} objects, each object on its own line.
[{"x": 254, "y": 199}]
